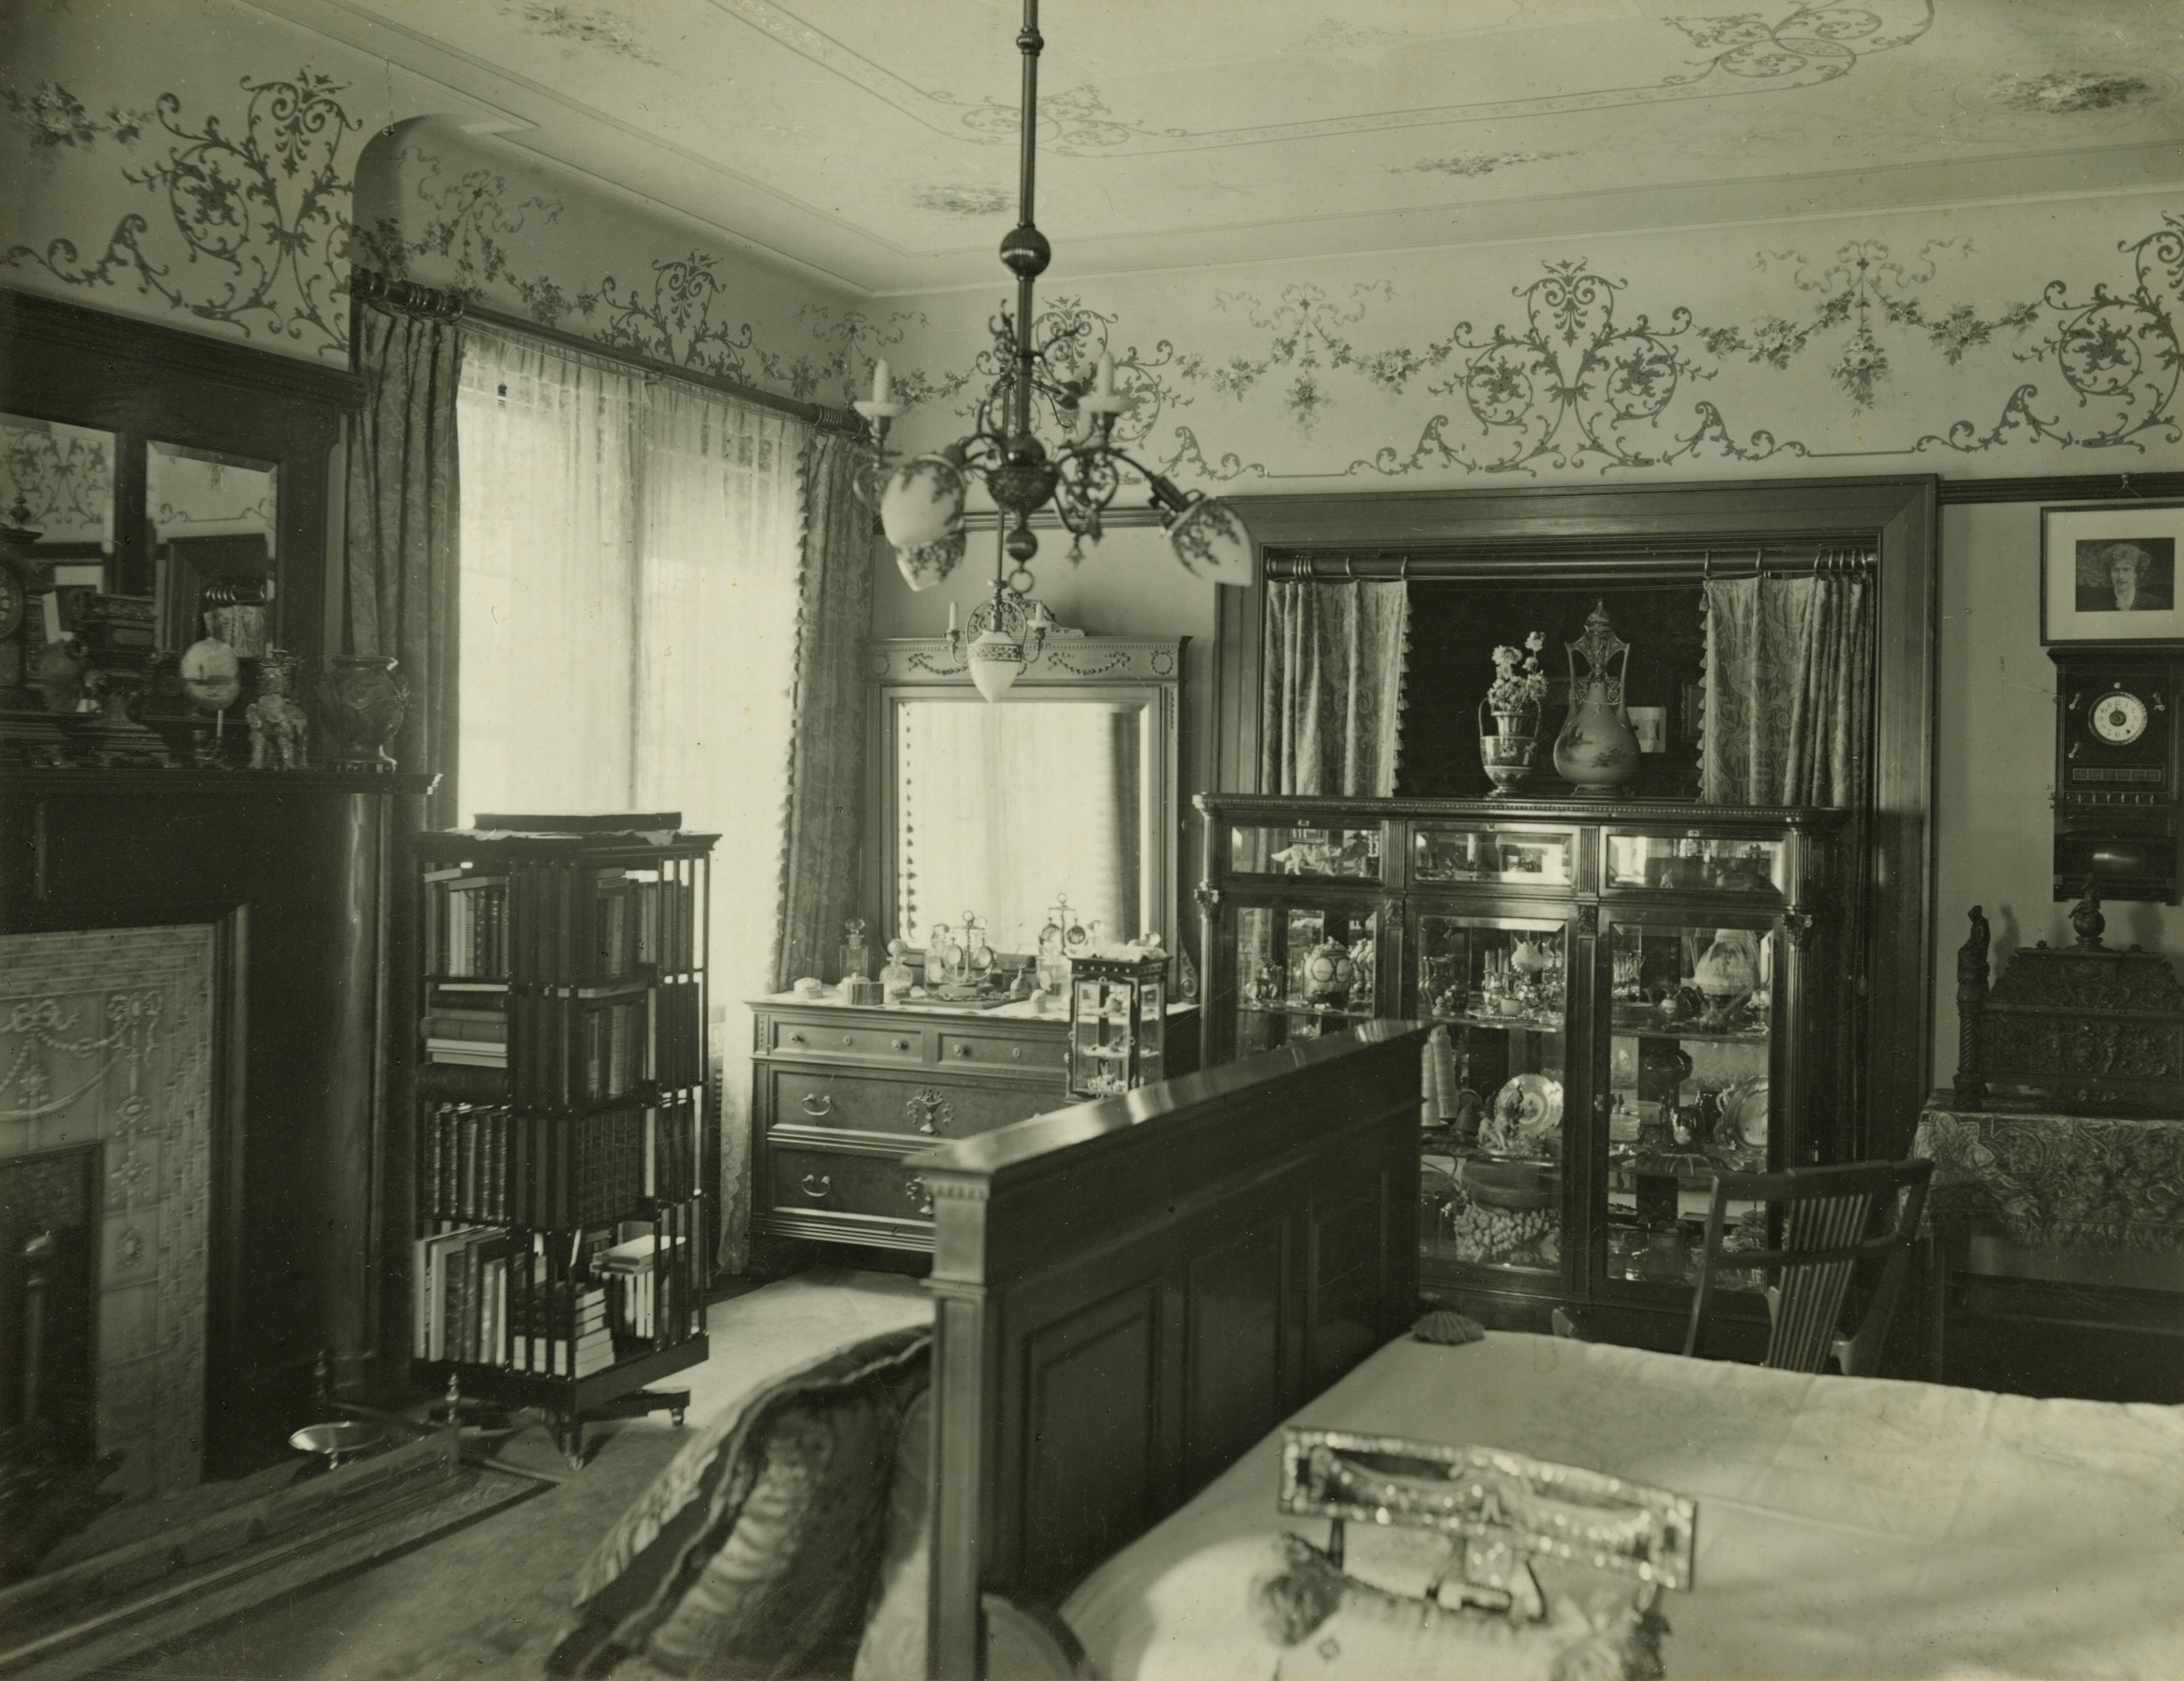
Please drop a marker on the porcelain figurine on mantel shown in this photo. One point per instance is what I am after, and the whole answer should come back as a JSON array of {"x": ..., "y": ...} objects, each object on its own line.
[{"x": 1597, "y": 750}]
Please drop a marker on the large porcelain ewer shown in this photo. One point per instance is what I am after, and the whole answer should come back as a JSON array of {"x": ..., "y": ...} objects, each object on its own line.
[{"x": 1597, "y": 750}]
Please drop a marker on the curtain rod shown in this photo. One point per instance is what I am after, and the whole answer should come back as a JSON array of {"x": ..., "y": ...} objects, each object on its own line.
[
  {"x": 1590, "y": 564},
  {"x": 407, "y": 297}
]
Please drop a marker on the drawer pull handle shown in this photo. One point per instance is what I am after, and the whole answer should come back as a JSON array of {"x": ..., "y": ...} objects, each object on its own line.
[
  {"x": 847, "y": 1041},
  {"x": 796, "y": 1039},
  {"x": 1016, "y": 1054},
  {"x": 824, "y": 1100},
  {"x": 901, "y": 1044},
  {"x": 928, "y": 1110},
  {"x": 818, "y": 1187},
  {"x": 920, "y": 1195},
  {"x": 963, "y": 1051}
]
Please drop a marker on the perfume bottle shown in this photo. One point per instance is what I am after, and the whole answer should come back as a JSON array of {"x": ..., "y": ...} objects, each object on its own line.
[
  {"x": 856, "y": 954},
  {"x": 978, "y": 956},
  {"x": 896, "y": 978}
]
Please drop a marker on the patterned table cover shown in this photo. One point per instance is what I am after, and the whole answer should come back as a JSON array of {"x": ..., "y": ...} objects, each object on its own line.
[{"x": 2057, "y": 1181}]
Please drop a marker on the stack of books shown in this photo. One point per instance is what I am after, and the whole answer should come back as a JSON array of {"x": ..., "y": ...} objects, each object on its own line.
[
  {"x": 466, "y": 1024},
  {"x": 631, "y": 1273},
  {"x": 540, "y": 1345}
]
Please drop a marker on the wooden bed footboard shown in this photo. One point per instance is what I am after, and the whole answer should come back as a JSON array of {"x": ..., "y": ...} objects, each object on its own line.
[{"x": 1129, "y": 1293}]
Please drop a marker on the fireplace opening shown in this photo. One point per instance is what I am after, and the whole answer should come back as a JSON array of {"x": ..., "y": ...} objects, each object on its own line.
[{"x": 49, "y": 1467}]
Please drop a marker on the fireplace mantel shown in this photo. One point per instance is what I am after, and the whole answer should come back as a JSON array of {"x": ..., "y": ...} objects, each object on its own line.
[{"x": 291, "y": 871}]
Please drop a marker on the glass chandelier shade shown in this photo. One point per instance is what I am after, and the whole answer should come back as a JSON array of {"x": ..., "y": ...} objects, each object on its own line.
[{"x": 921, "y": 501}]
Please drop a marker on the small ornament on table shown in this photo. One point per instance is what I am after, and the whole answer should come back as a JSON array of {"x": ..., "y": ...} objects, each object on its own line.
[
  {"x": 856, "y": 954},
  {"x": 279, "y": 729},
  {"x": 896, "y": 978},
  {"x": 212, "y": 677}
]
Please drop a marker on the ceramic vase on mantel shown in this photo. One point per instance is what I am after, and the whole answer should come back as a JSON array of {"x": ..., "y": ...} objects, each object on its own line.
[
  {"x": 1507, "y": 752},
  {"x": 364, "y": 704},
  {"x": 1597, "y": 751}
]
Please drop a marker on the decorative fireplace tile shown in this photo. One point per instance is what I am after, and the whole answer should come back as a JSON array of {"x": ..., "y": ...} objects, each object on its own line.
[{"x": 106, "y": 1037}]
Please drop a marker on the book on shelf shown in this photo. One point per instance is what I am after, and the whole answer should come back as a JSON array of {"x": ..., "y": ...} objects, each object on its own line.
[
  {"x": 486, "y": 1026},
  {"x": 472, "y": 1053},
  {"x": 549, "y": 1356}
]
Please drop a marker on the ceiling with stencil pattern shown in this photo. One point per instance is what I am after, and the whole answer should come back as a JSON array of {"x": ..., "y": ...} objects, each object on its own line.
[{"x": 873, "y": 140}]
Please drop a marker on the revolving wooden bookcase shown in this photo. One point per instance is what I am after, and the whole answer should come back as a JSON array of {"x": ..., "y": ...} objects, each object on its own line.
[{"x": 561, "y": 1187}]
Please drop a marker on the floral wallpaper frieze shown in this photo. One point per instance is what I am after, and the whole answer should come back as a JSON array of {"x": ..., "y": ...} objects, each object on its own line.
[
  {"x": 246, "y": 214},
  {"x": 1853, "y": 354},
  {"x": 2000, "y": 333}
]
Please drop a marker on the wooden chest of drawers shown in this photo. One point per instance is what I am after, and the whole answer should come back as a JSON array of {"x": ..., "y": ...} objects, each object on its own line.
[{"x": 840, "y": 1093}]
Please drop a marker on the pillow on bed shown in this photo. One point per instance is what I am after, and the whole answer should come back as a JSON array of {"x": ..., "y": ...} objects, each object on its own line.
[
  {"x": 755, "y": 1550},
  {"x": 1021, "y": 1644}
]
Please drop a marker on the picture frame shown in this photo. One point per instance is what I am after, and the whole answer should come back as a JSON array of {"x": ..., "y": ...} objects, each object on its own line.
[{"x": 2109, "y": 573}]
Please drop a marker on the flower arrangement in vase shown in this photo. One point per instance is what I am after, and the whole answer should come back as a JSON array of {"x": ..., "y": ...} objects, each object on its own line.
[{"x": 1514, "y": 697}]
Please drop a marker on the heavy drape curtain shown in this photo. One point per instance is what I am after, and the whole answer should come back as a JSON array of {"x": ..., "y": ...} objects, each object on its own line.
[
  {"x": 1789, "y": 692},
  {"x": 1789, "y": 721},
  {"x": 820, "y": 851},
  {"x": 628, "y": 606},
  {"x": 1330, "y": 696},
  {"x": 400, "y": 505}
]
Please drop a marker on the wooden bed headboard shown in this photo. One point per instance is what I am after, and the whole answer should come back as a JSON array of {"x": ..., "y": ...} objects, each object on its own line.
[{"x": 1132, "y": 1291}]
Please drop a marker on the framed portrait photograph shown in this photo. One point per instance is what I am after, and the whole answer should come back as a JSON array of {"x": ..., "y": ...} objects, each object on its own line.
[{"x": 2107, "y": 573}]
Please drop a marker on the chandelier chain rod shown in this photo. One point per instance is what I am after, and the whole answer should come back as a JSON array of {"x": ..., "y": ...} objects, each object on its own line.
[{"x": 1028, "y": 42}]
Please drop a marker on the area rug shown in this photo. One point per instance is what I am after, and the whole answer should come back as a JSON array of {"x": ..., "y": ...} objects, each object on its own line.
[{"x": 487, "y": 1602}]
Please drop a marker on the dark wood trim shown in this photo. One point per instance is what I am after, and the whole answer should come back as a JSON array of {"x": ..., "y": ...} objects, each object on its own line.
[
  {"x": 2067, "y": 487},
  {"x": 1896, "y": 516},
  {"x": 106, "y": 337}
]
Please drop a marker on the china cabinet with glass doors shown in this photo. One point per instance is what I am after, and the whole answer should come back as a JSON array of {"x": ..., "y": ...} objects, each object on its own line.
[{"x": 1633, "y": 995}]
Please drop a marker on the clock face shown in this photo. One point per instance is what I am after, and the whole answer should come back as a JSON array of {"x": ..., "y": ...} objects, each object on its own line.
[{"x": 2119, "y": 718}]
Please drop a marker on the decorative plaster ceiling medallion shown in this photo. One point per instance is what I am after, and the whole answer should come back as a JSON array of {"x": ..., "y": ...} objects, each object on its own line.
[
  {"x": 586, "y": 25},
  {"x": 1472, "y": 163},
  {"x": 962, "y": 201},
  {"x": 2078, "y": 90}
]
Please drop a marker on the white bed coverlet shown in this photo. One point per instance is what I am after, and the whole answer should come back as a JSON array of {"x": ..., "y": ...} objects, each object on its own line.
[{"x": 1847, "y": 1527}]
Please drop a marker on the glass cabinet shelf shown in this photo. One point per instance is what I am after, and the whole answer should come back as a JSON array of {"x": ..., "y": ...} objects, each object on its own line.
[
  {"x": 1496, "y": 855},
  {"x": 1333, "y": 854},
  {"x": 1694, "y": 863}
]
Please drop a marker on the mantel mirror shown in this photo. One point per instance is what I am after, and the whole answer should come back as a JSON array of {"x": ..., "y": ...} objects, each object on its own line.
[
  {"x": 1063, "y": 792},
  {"x": 155, "y": 486}
]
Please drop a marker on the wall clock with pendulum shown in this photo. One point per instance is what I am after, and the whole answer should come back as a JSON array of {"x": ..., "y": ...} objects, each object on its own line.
[{"x": 2116, "y": 771}]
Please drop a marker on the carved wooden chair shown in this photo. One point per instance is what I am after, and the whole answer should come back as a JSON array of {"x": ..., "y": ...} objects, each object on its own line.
[
  {"x": 1828, "y": 1228},
  {"x": 1829, "y": 1221}
]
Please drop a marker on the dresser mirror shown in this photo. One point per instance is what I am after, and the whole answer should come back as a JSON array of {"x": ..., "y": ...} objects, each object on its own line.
[{"x": 1063, "y": 792}]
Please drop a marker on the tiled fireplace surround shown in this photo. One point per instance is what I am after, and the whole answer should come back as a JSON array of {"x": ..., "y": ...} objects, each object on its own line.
[{"x": 106, "y": 1037}]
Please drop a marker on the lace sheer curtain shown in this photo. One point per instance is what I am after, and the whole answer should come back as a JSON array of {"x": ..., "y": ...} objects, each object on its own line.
[{"x": 630, "y": 556}]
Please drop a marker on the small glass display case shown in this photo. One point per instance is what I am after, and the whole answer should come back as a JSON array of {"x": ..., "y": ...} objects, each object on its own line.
[
  {"x": 1497, "y": 857},
  {"x": 1336, "y": 854},
  {"x": 1695, "y": 864},
  {"x": 1117, "y": 1017}
]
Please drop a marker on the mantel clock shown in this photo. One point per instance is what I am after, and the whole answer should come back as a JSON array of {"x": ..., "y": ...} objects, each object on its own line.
[{"x": 2117, "y": 771}]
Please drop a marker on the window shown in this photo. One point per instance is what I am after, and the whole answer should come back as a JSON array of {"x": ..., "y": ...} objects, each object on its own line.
[{"x": 631, "y": 549}]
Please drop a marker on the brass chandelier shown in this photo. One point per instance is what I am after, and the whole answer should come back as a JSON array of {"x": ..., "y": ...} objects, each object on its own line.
[{"x": 921, "y": 501}]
